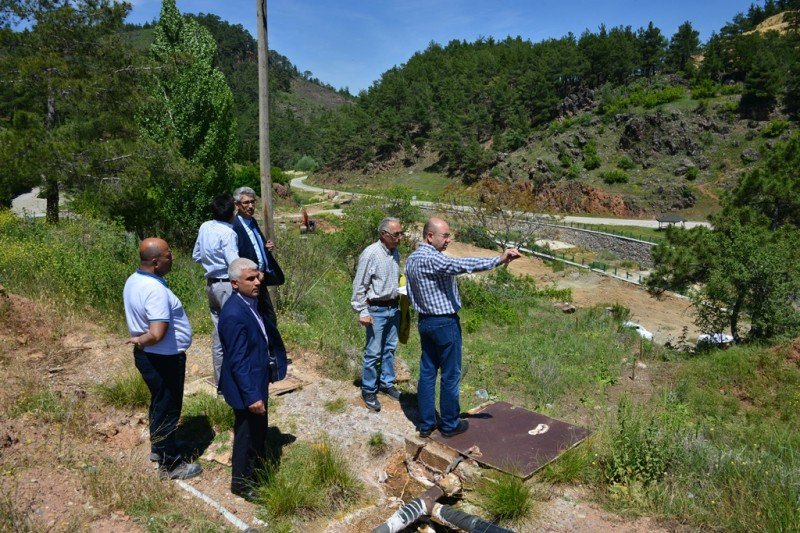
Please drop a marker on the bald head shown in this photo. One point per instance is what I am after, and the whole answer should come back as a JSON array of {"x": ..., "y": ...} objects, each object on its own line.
[
  {"x": 155, "y": 256},
  {"x": 436, "y": 232}
]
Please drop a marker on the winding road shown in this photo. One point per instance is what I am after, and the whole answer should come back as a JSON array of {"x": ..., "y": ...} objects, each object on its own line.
[{"x": 299, "y": 183}]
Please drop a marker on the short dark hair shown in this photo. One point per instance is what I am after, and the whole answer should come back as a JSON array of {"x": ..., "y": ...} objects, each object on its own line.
[{"x": 222, "y": 207}]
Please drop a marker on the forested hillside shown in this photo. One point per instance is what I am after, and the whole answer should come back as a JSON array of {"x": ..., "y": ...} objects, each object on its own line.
[
  {"x": 294, "y": 96},
  {"x": 140, "y": 124},
  {"x": 616, "y": 120}
]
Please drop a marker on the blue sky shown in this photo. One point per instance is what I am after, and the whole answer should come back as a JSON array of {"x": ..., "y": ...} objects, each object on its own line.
[{"x": 350, "y": 43}]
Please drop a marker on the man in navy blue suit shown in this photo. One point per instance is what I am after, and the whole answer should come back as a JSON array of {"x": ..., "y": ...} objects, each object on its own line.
[
  {"x": 256, "y": 248},
  {"x": 253, "y": 356}
]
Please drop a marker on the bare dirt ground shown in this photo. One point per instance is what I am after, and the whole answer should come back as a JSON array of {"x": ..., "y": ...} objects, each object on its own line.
[
  {"x": 665, "y": 317},
  {"x": 46, "y": 465}
]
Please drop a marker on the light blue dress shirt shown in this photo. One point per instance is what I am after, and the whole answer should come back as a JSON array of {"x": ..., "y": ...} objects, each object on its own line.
[{"x": 216, "y": 248}]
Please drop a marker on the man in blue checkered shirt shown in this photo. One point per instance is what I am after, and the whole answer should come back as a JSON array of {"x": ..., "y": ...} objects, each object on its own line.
[{"x": 432, "y": 289}]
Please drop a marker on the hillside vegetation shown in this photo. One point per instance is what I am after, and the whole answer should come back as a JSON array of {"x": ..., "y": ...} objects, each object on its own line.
[{"x": 618, "y": 120}]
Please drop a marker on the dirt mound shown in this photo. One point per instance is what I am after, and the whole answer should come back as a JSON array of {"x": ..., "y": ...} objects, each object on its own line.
[{"x": 576, "y": 197}]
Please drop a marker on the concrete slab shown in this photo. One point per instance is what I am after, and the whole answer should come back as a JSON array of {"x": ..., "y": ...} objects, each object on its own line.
[{"x": 513, "y": 439}]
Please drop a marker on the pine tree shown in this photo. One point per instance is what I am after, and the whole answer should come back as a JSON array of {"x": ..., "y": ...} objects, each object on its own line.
[
  {"x": 682, "y": 46},
  {"x": 71, "y": 83},
  {"x": 652, "y": 46}
]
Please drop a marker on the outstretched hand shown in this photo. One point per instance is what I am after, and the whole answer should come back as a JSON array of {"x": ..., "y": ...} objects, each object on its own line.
[{"x": 508, "y": 255}]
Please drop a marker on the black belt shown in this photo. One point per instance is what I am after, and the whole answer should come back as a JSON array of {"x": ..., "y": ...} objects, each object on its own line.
[
  {"x": 215, "y": 280},
  {"x": 384, "y": 303}
]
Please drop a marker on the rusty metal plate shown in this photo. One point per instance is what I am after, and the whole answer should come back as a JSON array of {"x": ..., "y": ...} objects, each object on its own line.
[{"x": 513, "y": 439}]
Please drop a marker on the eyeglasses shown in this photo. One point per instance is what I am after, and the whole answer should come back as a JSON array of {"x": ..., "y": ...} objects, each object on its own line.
[
  {"x": 247, "y": 202},
  {"x": 445, "y": 235},
  {"x": 396, "y": 234}
]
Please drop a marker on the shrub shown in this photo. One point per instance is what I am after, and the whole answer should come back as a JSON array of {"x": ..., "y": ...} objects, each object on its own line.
[
  {"x": 625, "y": 163},
  {"x": 573, "y": 172},
  {"x": 476, "y": 235},
  {"x": 692, "y": 173},
  {"x": 775, "y": 128},
  {"x": 279, "y": 176},
  {"x": 704, "y": 89},
  {"x": 642, "y": 447},
  {"x": 620, "y": 313},
  {"x": 306, "y": 164},
  {"x": 246, "y": 176},
  {"x": 614, "y": 176},
  {"x": 591, "y": 160}
]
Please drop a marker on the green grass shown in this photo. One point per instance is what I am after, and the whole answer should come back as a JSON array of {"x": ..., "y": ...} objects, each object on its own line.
[
  {"x": 424, "y": 185},
  {"x": 505, "y": 497},
  {"x": 709, "y": 440},
  {"x": 125, "y": 390},
  {"x": 312, "y": 480},
  {"x": 219, "y": 414},
  {"x": 82, "y": 266},
  {"x": 377, "y": 444},
  {"x": 716, "y": 447},
  {"x": 336, "y": 406}
]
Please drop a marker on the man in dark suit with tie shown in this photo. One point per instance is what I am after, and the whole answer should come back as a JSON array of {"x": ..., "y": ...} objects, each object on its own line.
[
  {"x": 253, "y": 356},
  {"x": 256, "y": 248}
]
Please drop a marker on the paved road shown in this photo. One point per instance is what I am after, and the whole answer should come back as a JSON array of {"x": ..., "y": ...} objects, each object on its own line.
[
  {"x": 300, "y": 184},
  {"x": 29, "y": 204}
]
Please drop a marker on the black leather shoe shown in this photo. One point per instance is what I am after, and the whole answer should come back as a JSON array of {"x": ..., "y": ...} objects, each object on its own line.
[
  {"x": 246, "y": 494},
  {"x": 463, "y": 425}
]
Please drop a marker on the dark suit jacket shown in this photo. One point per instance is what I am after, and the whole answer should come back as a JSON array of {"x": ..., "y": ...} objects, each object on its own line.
[
  {"x": 246, "y": 249},
  {"x": 245, "y": 370}
]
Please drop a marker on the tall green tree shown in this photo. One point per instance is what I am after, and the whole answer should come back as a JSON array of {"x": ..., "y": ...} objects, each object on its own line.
[
  {"x": 744, "y": 274},
  {"x": 191, "y": 104},
  {"x": 652, "y": 47},
  {"x": 682, "y": 46},
  {"x": 69, "y": 80},
  {"x": 761, "y": 84}
]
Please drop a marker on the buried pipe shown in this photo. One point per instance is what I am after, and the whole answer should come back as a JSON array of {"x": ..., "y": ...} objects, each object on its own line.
[
  {"x": 425, "y": 505},
  {"x": 411, "y": 512},
  {"x": 453, "y": 518}
]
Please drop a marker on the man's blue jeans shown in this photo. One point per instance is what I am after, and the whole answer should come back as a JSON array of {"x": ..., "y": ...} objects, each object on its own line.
[
  {"x": 440, "y": 336},
  {"x": 380, "y": 347}
]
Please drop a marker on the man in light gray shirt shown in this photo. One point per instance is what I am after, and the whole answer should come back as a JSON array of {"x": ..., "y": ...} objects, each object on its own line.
[
  {"x": 375, "y": 299},
  {"x": 216, "y": 248}
]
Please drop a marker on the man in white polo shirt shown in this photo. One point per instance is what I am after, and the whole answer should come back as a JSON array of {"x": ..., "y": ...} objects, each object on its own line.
[{"x": 161, "y": 334}]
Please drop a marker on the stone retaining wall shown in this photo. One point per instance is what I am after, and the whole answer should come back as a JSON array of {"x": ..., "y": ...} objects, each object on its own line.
[{"x": 623, "y": 247}]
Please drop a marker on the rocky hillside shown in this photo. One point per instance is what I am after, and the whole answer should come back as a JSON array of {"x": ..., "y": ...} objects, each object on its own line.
[{"x": 677, "y": 157}]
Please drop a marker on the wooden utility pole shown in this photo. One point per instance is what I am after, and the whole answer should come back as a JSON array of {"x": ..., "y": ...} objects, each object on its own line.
[{"x": 263, "y": 121}]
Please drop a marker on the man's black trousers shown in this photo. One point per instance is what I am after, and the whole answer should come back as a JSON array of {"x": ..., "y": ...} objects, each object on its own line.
[
  {"x": 249, "y": 447},
  {"x": 164, "y": 376}
]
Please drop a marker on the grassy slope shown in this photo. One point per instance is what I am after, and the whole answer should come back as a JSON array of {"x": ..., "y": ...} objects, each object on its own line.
[{"x": 708, "y": 440}]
